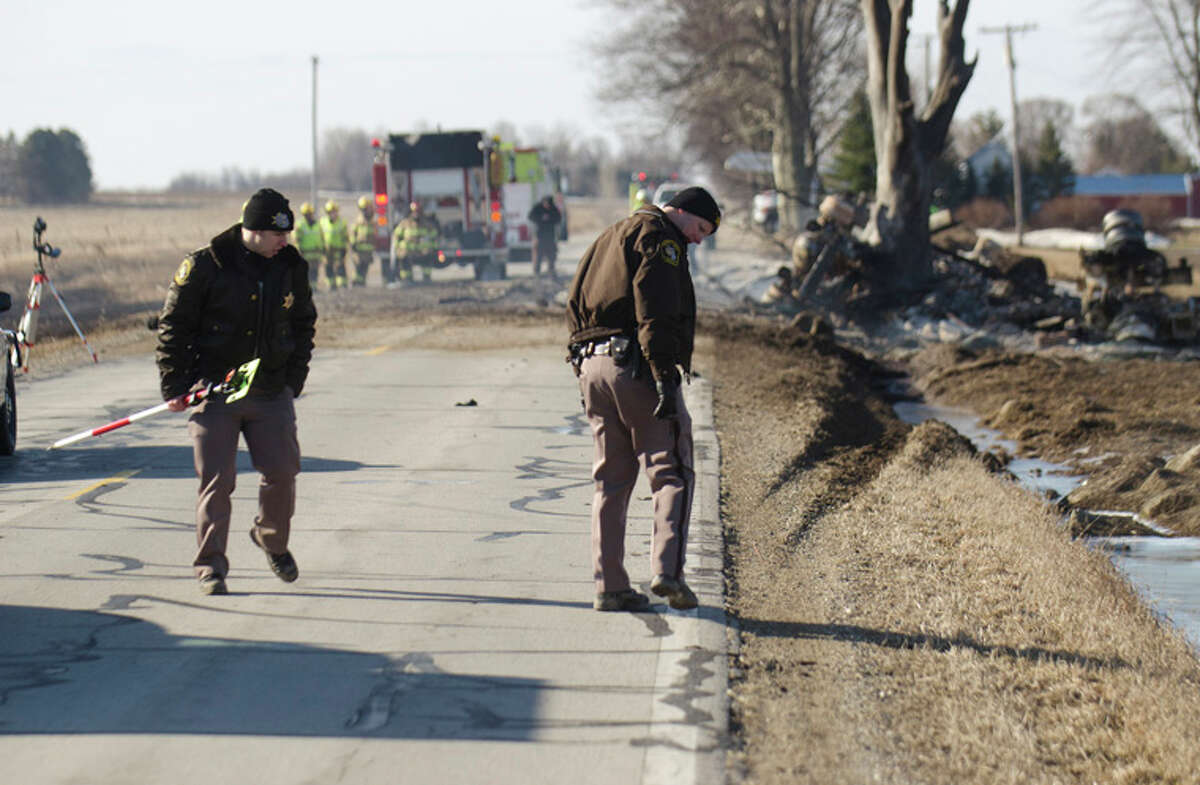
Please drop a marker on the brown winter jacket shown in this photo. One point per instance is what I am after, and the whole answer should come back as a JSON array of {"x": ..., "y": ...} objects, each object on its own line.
[
  {"x": 634, "y": 280},
  {"x": 226, "y": 306}
]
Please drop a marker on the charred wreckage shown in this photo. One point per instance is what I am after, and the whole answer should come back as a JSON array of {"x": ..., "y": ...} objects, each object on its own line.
[{"x": 832, "y": 282}]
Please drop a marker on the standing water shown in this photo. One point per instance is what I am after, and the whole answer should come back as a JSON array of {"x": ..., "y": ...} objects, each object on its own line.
[{"x": 1164, "y": 570}]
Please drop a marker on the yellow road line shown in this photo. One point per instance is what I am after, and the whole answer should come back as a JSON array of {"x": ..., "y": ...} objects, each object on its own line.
[
  {"x": 377, "y": 350},
  {"x": 120, "y": 476}
]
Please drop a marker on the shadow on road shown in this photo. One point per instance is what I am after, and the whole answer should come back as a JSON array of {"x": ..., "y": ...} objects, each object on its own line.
[
  {"x": 75, "y": 672},
  {"x": 157, "y": 462}
]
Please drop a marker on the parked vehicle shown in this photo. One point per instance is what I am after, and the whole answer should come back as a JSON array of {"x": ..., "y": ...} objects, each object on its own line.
[
  {"x": 8, "y": 389},
  {"x": 764, "y": 211},
  {"x": 454, "y": 175},
  {"x": 528, "y": 178}
]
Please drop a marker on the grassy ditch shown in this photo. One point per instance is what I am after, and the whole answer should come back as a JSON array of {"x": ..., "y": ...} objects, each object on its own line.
[{"x": 917, "y": 618}]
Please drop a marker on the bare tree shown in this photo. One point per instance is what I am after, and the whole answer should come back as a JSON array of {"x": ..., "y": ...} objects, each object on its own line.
[
  {"x": 1114, "y": 122},
  {"x": 587, "y": 162},
  {"x": 345, "y": 162},
  {"x": 1035, "y": 114},
  {"x": 976, "y": 131},
  {"x": 9, "y": 155},
  {"x": 735, "y": 74},
  {"x": 1149, "y": 39},
  {"x": 906, "y": 144}
]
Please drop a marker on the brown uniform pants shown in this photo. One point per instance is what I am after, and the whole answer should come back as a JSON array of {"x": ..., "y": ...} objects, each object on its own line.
[
  {"x": 269, "y": 425},
  {"x": 626, "y": 434}
]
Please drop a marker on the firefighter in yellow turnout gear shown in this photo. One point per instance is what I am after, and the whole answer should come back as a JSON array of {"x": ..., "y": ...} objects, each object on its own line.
[
  {"x": 362, "y": 240},
  {"x": 309, "y": 241},
  {"x": 337, "y": 240},
  {"x": 416, "y": 239}
]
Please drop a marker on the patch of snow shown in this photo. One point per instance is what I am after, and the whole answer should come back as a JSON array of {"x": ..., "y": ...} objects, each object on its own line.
[{"x": 1063, "y": 239}]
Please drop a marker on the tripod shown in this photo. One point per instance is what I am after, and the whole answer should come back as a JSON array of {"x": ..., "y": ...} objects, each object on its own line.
[{"x": 27, "y": 328}]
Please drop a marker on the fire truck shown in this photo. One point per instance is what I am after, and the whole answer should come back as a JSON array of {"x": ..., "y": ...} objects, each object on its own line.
[
  {"x": 527, "y": 178},
  {"x": 452, "y": 175}
]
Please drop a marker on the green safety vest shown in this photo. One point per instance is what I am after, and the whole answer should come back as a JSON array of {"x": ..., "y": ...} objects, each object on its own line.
[
  {"x": 307, "y": 237},
  {"x": 362, "y": 235},
  {"x": 414, "y": 237},
  {"x": 336, "y": 235}
]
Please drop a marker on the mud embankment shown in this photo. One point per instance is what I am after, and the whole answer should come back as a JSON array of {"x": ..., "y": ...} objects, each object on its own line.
[{"x": 1131, "y": 426}]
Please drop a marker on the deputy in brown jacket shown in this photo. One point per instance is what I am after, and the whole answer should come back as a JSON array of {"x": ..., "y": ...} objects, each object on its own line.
[
  {"x": 245, "y": 296},
  {"x": 631, "y": 314}
]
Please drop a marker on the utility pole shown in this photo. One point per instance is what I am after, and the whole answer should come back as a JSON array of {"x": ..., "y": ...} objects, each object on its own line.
[
  {"x": 1018, "y": 201},
  {"x": 312, "y": 180}
]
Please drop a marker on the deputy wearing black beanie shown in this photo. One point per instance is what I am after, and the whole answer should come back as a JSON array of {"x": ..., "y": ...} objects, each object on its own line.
[
  {"x": 268, "y": 211},
  {"x": 699, "y": 203},
  {"x": 243, "y": 298}
]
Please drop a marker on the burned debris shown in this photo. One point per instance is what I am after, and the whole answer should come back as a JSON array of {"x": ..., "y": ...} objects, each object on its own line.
[
  {"x": 979, "y": 287},
  {"x": 1122, "y": 295}
]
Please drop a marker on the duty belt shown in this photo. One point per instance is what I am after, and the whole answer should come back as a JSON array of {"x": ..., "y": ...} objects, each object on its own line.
[
  {"x": 623, "y": 349},
  {"x": 608, "y": 347}
]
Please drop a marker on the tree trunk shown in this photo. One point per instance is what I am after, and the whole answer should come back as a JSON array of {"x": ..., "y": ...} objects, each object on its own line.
[
  {"x": 793, "y": 175},
  {"x": 792, "y": 131},
  {"x": 906, "y": 145}
]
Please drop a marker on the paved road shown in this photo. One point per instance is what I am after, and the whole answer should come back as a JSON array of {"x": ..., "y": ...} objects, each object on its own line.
[{"x": 441, "y": 630}]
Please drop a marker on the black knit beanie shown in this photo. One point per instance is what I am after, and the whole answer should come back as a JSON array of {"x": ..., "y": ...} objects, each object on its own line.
[
  {"x": 268, "y": 211},
  {"x": 698, "y": 202}
]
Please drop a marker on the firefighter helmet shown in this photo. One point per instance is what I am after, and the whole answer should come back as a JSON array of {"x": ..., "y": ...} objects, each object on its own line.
[
  {"x": 306, "y": 208},
  {"x": 363, "y": 203},
  {"x": 331, "y": 206}
]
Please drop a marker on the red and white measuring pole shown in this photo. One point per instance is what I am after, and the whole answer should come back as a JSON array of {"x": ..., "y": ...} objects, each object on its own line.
[
  {"x": 191, "y": 399},
  {"x": 234, "y": 387}
]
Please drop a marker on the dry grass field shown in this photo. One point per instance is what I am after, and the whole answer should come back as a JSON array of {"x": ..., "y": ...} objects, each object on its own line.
[{"x": 118, "y": 253}]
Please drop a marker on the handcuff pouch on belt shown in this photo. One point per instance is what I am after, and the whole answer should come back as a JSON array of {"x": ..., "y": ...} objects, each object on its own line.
[{"x": 623, "y": 349}]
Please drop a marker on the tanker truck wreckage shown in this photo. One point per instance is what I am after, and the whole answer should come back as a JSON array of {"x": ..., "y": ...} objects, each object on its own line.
[
  {"x": 981, "y": 292},
  {"x": 1115, "y": 300}
]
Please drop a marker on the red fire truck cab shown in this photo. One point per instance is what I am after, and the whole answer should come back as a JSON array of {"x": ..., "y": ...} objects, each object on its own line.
[{"x": 449, "y": 174}]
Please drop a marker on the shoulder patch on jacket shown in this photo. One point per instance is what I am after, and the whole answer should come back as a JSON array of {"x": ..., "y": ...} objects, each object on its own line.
[
  {"x": 185, "y": 269},
  {"x": 670, "y": 252}
]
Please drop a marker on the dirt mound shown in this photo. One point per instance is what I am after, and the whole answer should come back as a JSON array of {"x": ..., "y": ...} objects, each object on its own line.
[{"x": 933, "y": 443}]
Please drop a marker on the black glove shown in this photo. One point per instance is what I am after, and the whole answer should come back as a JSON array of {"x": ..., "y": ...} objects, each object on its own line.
[{"x": 668, "y": 394}]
